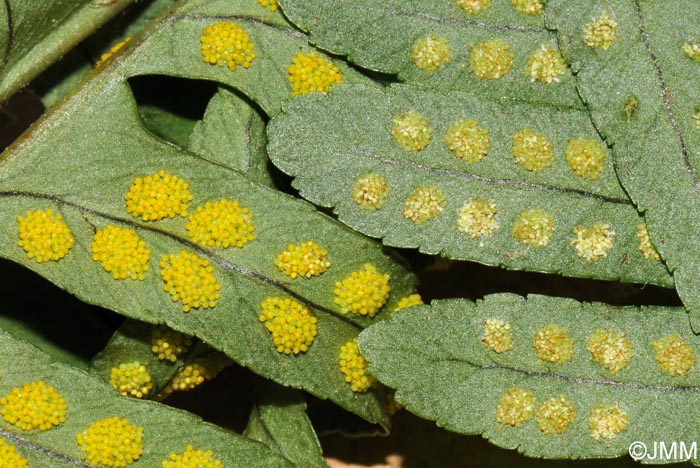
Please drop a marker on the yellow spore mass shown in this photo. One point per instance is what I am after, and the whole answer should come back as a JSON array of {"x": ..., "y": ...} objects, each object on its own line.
[
  {"x": 585, "y": 157},
  {"x": 226, "y": 43},
  {"x": 411, "y": 131},
  {"x": 528, "y": 7},
  {"x": 532, "y": 150},
  {"x": 292, "y": 328},
  {"x": 607, "y": 420},
  {"x": 113, "y": 50},
  {"x": 431, "y": 52},
  {"x": 222, "y": 223},
  {"x": 497, "y": 335},
  {"x": 9, "y": 458},
  {"x": 491, "y": 60},
  {"x": 473, "y": 7},
  {"x": 111, "y": 442},
  {"x": 363, "y": 292},
  {"x": 555, "y": 415},
  {"x": 477, "y": 218},
  {"x": 44, "y": 236},
  {"x": 424, "y": 204},
  {"x": 193, "y": 458},
  {"x": 195, "y": 373},
  {"x": 121, "y": 252},
  {"x": 189, "y": 279},
  {"x": 311, "y": 74},
  {"x": 645, "y": 246},
  {"x": 674, "y": 356},
  {"x": 354, "y": 367},
  {"x": 534, "y": 228},
  {"x": 408, "y": 301},
  {"x": 468, "y": 141},
  {"x": 611, "y": 349},
  {"x": 158, "y": 196},
  {"x": 169, "y": 344},
  {"x": 34, "y": 406},
  {"x": 303, "y": 260},
  {"x": 593, "y": 243},
  {"x": 600, "y": 33},
  {"x": 370, "y": 191},
  {"x": 515, "y": 407},
  {"x": 545, "y": 65},
  {"x": 131, "y": 379},
  {"x": 269, "y": 4},
  {"x": 692, "y": 51},
  {"x": 553, "y": 344}
]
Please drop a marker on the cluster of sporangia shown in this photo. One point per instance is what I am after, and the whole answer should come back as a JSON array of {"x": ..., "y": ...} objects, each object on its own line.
[{"x": 552, "y": 344}]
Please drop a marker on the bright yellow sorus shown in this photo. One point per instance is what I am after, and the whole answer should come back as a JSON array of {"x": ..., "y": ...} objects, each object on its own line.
[
  {"x": 408, "y": 301},
  {"x": 292, "y": 328},
  {"x": 424, "y": 204},
  {"x": 611, "y": 349},
  {"x": 497, "y": 336},
  {"x": 532, "y": 150},
  {"x": 363, "y": 292},
  {"x": 645, "y": 245},
  {"x": 585, "y": 157},
  {"x": 473, "y": 7},
  {"x": 303, "y": 260},
  {"x": 269, "y": 4},
  {"x": 516, "y": 406},
  {"x": 189, "y": 279},
  {"x": 112, "y": 51},
  {"x": 674, "y": 356},
  {"x": 226, "y": 44},
  {"x": 411, "y": 131},
  {"x": 491, "y": 60},
  {"x": 534, "y": 228},
  {"x": 553, "y": 344},
  {"x": 431, "y": 52},
  {"x": 193, "y": 458},
  {"x": 157, "y": 196},
  {"x": 223, "y": 223},
  {"x": 528, "y": 7},
  {"x": 601, "y": 32},
  {"x": 545, "y": 65},
  {"x": 44, "y": 236},
  {"x": 692, "y": 51},
  {"x": 121, "y": 252},
  {"x": 9, "y": 458},
  {"x": 354, "y": 367},
  {"x": 468, "y": 141},
  {"x": 131, "y": 379},
  {"x": 194, "y": 373},
  {"x": 593, "y": 243},
  {"x": 607, "y": 420},
  {"x": 311, "y": 73},
  {"x": 477, "y": 218},
  {"x": 169, "y": 344},
  {"x": 111, "y": 442},
  {"x": 34, "y": 406},
  {"x": 555, "y": 415},
  {"x": 370, "y": 191}
]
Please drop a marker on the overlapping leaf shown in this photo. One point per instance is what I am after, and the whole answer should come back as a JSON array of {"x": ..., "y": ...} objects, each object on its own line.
[
  {"x": 348, "y": 134},
  {"x": 97, "y": 127},
  {"x": 438, "y": 360},
  {"x": 656, "y": 146},
  {"x": 166, "y": 430}
]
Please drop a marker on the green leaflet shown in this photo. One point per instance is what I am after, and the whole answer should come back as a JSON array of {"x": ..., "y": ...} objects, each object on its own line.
[
  {"x": 279, "y": 421},
  {"x": 437, "y": 359},
  {"x": 656, "y": 148},
  {"x": 88, "y": 399},
  {"x": 98, "y": 127},
  {"x": 382, "y": 36},
  {"x": 314, "y": 132},
  {"x": 35, "y": 34}
]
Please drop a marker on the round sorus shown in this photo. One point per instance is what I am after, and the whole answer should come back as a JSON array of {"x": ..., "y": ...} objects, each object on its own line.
[
  {"x": 226, "y": 43},
  {"x": 121, "y": 252},
  {"x": 468, "y": 141},
  {"x": 292, "y": 328},
  {"x": 169, "y": 344},
  {"x": 111, "y": 442},
  {"x": 607, "y": 420},
  {"x": 411, "y": 131},
  {"x": 34, "y": 406},
  {"x": 600, "y": 33},
  {"x": 189, "y": 279},
  {"x": 515, "y": 407},
  {"x": 553, "y": 344},
  {"x": 528, "y": 7},
  {"x": 370, "y": 191},
  {"x": 611, "y": 349},
  {"x": 424, "y": 204},
  {"x": 555, "y": 415},
  {"x": 311, "y": 73},
  {"x": 645, "y": 246},
  {"x": 269, "y": 4},
  {"x": 408, "y": 301},
  {"x": 303, "y": 260},
  {"x": 157, "y": 196},
  {"x": 473, "y": 7},
  {"x": 203, "y": 368},
  {"x": 497, "y": 336},
  {"x": 674, "y": 356},
  {"x": 534, "y": 228},
  {"x": 223, "y": 223},
  {"x": 193, "y": 458},
  {"x": 585, "y": 157},
  {"x": 532, "y": 150},
  {"x": 9, "y": 458},
  {"x": 354, "y": 367},
  {"x": 44, "y": 236},
  {"x": 491, "y": 60},
  {"x": 545, "y": 65},
  {"x": 692, "y": 51},
  {"x": 593, "y": 243},
  {"x": 363, "y": 292},
  {"x": 431, "y": 52},
  {"x": 131, "y": 379},
  {"x": 477, "y": 218}
]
